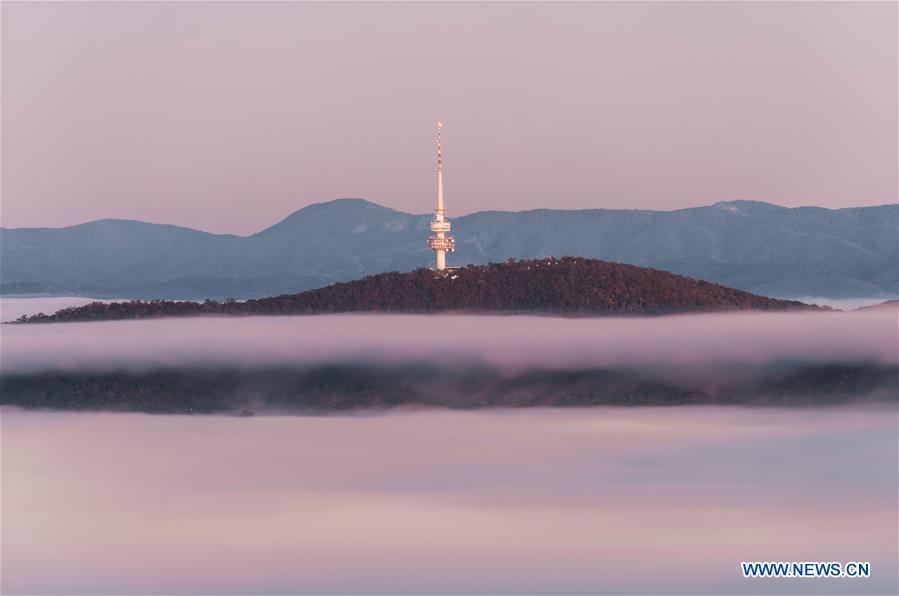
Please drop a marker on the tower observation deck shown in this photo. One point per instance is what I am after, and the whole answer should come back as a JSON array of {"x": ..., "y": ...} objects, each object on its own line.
[{"x": 440, "y": 242}]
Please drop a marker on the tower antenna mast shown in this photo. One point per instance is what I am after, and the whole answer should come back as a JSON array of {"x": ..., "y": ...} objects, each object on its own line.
[{"x": 440, "y": 242}]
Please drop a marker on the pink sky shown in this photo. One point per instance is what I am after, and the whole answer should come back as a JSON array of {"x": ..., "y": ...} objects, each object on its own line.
[{"x": 229, "y": 116}]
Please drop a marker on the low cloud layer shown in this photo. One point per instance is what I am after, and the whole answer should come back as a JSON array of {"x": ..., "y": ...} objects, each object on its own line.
[
  {"x": 524, "y": 501},
  {"x": 680, "y": 342}
]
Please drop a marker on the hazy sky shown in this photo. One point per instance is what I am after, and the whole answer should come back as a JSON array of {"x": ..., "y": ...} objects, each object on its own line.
[{"x": 229, "y": 116}]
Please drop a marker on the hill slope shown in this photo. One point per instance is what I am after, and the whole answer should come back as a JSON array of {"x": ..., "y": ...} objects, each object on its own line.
[
  {"x": 752, "y": 246},
  {"x": 888, "y": 305},
  {"x": 572, "y": 285}
]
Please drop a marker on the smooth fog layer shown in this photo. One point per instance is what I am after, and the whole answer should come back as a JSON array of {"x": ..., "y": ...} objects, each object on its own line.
[
  {"x": 540, "y": 501},
  {"x": 509, "y": 341}
]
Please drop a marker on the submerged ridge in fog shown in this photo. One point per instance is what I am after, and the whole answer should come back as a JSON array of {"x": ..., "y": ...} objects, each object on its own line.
[{"x": 345, "y": 387}]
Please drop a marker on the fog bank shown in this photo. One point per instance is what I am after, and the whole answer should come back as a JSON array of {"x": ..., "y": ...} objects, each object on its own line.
[{"x": 511, "y": 341}]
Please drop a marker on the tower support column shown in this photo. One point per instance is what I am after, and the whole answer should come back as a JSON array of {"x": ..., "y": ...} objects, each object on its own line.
[{"x": 440, "y": 242}]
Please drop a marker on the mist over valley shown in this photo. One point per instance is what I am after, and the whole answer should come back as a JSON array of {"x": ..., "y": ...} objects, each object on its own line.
[{"x": 331, "y": 363}]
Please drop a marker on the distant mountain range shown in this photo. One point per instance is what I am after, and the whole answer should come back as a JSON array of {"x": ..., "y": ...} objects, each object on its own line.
[{"x": 758, "y": 247}]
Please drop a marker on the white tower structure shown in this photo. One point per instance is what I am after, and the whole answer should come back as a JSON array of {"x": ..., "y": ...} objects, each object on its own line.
[{"x": 440, "y": 243}]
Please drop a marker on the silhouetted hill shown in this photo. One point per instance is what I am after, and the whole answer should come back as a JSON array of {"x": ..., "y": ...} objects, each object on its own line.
[
  {"x": 753, "y": 246},
  {"x": 572, "y": 285}
]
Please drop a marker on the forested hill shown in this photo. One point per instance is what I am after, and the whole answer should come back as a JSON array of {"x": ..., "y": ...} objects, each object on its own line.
[{"x": 568, "y": 286}]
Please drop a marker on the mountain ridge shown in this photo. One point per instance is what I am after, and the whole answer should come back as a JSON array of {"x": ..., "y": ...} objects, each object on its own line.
[
  {"x": 362, "y": 201},
  {"x": 750, "y": 245}
]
